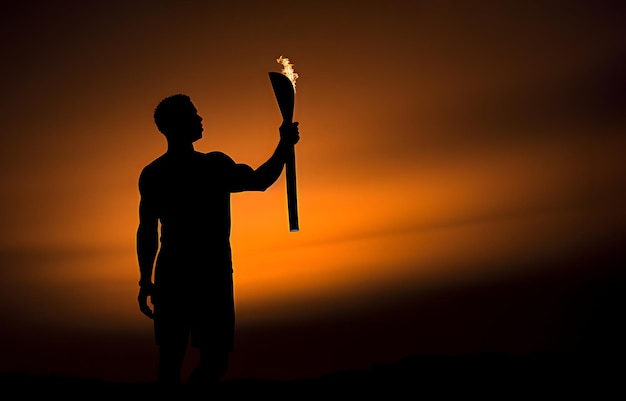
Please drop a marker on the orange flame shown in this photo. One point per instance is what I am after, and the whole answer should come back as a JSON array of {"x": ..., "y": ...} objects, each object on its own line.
[{"x": 288, "y": 70}]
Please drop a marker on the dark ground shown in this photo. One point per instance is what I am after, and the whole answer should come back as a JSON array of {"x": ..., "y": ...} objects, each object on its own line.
[{"x": 491, "y": 375}]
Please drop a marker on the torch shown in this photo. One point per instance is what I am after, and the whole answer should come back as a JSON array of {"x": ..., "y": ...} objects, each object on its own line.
[{"x": 284, "y": 85}]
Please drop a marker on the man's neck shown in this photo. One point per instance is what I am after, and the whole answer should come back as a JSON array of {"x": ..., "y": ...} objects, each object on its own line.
[{"x": 180, "y": 147}]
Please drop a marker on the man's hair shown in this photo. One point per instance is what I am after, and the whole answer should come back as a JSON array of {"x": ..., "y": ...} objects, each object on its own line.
[{"x": 168, "y": 112}]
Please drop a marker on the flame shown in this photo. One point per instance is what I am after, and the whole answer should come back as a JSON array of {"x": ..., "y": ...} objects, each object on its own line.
[{"x": 288, "y": 70}]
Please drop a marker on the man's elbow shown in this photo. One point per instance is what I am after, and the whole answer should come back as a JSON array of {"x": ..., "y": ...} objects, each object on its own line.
[
  {"x": 262, "y": 183},
  {"x": 259, "y": 187}
]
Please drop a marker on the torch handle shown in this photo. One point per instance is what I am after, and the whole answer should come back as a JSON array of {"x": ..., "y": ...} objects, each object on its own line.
[
  {"x": 284, "y": 92},
  {"x": 292, "y": 197}
]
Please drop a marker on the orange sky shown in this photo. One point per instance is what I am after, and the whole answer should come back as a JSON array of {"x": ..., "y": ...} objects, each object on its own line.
[{"x": 438, "y": 144}]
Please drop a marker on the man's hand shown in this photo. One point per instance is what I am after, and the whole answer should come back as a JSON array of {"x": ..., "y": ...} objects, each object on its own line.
[
  {"x": 145, "y": 290},
  {"x": 289, "y": 133}
]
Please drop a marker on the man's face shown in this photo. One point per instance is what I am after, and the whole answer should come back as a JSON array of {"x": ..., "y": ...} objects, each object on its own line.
[{"x": 190, "y": 124}]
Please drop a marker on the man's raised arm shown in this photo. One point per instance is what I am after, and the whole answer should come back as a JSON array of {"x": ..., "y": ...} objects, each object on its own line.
[{"x": 267, "y": 173}]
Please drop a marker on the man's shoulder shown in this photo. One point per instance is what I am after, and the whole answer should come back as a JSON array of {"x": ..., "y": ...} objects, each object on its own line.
[
  {"x": 219, "y": 158},
  {"x": 153, "y": 167}
]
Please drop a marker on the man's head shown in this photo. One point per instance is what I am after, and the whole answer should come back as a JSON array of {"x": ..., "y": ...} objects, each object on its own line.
[{"x": 177, "y": 118}]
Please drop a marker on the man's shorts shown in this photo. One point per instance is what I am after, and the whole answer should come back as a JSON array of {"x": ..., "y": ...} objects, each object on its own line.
[{"x": 203, "y": 312}]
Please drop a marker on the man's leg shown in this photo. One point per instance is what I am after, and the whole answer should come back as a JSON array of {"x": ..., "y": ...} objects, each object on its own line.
[
  {"x": 214, "y": 332},
  {"x": 213, "y": 365},
  {"x": 172, "y": 335},
  {"x": 171, "y": 356}
]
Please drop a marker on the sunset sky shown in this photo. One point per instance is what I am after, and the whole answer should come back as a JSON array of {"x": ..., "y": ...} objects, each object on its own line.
[{"x": 444, "y": 146}]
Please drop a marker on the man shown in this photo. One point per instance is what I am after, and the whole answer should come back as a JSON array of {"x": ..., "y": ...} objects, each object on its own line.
[{"x": 188, "y": 193}]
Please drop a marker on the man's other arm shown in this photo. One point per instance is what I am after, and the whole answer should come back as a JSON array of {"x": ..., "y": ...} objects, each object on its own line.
[
  {"x": 267, "y": 173},
  {"x": 147, "y": 246}
]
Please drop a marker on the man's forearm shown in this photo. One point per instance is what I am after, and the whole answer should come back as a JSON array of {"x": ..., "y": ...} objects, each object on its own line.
[{"x": 267, "y": 173}]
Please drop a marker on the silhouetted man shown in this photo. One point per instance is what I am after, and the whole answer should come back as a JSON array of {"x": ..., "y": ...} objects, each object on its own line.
[{"x": 188, "y": 193}]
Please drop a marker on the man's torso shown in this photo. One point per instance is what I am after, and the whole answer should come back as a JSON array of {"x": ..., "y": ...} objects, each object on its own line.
[{"x": 191, "y": 197}]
